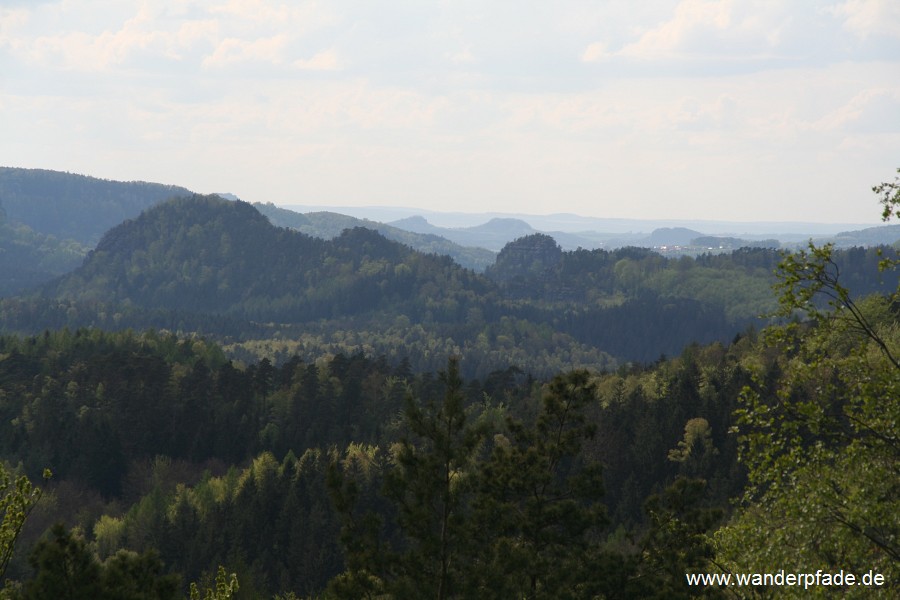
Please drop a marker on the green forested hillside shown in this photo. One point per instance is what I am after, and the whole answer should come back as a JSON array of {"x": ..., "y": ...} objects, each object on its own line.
[
  {"x": 77, "y": 207},
  {"x": 166, "y": 458},
  {"x": 739, "y": 282},
  {"x": 203, "y": 264},
  {"x": 204, "y": 254},
  {"x": 49, "y": 220},
  {"x": 123, "y": 419},
  {"x": 888, "y": 235},
  {"x": 28, "y": 258},
  {"x": 340, "y": 464}
]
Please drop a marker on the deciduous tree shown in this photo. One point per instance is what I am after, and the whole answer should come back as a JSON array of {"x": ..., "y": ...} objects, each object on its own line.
[{"x": 821, "y": 444}]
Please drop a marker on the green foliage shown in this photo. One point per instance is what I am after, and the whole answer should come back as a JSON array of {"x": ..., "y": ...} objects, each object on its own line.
[
  {"x": 225, "y": 587},
  {"x": 890, "y": 198},
  {"x": 446, "y": 487},
  {"x": 131, "y": 576},
  {"x": 17, "y": 499},
  {"x": 428, "y": 483},
  {"x": 538, "y": 507},
  {"x": 277, "y": 513},
  {"x": 196, "y": 264},
  {"x": 65, "y": 568},
  {"x": 515, "y": 514},
  {"x": 822, "y": 458},
  {"x": 429, "y": 486},
  {"x": 529, "y": 257},
  {"x": 819, "y": 435},
  {"x": 678, "y": 540},
  {"x": 80, "y": 397},
  {"x": 29, "y": 258},
  {"x": 84, "y": 397},
  {"x": 890, "y": 202},
  {"x": 696, "y": 451},
  {"x": 807, "y": 276}
]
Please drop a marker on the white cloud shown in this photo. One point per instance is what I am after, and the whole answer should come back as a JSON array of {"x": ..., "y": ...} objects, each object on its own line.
[
  {"x": 710, "y": 30},
  {"x": 143, "y": 33},
  {"x": 866, "y": 18},
  {"x": 595, "y": 52},
  {"x": 233, "y": 50},
  {"x": 872, "y": 110},
  {"x": 254, "y": 10},
  {"x": 191, "y": 32},
  {"x": 89, "y": 52},
  {"x": 327, "y": 60},
  {"x": 214, "y": 35},
  {"x": 486, "y": 103},
  {"x": 719, "y": 113},
  {"x": 692, "y": 17},
  {"x": 465, "y": 56},
  {"x": 11, "y": 20},
  {"x": 294, "y": 18}
]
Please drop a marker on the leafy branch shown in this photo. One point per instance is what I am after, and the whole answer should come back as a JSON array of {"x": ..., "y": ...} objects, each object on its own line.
[{"x": 17, "y": 499}]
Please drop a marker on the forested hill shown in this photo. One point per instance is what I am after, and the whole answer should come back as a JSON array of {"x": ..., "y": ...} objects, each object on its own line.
[
  {"x": 29, "y": 258},
  {"x": 77, "y": 207},
  {"x": 329, "y": 225},
  {"x": 204, "y": 264},
  {"x": 217, "y": 267},
  {"x": 535, "y": 268},
  {"x": 202, "y": 254},
  {"x": 201, "y": 263}
]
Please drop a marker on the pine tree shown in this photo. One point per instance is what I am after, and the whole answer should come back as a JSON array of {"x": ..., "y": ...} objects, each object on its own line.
[{"x": 539, "y": 508}]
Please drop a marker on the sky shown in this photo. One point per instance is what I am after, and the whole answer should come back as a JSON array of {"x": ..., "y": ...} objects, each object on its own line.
[{"x": 773, "y": 110}]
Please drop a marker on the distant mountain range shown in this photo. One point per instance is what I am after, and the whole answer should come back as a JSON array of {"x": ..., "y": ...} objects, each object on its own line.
[
  {"x": 219, "y": 267},
  {"x": 790, "y": 231},
  {"x": 329, "y": 225},
  {"x": 50, "y": 220},
  {"x": 497, "y": 232},
  {"x": 222, "y": 268},
  {"x": 493, "y": 231}
]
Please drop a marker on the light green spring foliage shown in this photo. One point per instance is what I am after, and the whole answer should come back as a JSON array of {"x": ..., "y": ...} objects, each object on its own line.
[
  {"x": 890, "y": 198},
  {"x": 225, "y": 587},
  {"x": 824, "y": 491},
  {"x": 820, "y": 443},
  {"x": 17, "y": 499}
]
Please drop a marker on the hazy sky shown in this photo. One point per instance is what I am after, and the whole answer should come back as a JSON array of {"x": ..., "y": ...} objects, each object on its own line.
[{"x": 770, "y": 110}]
